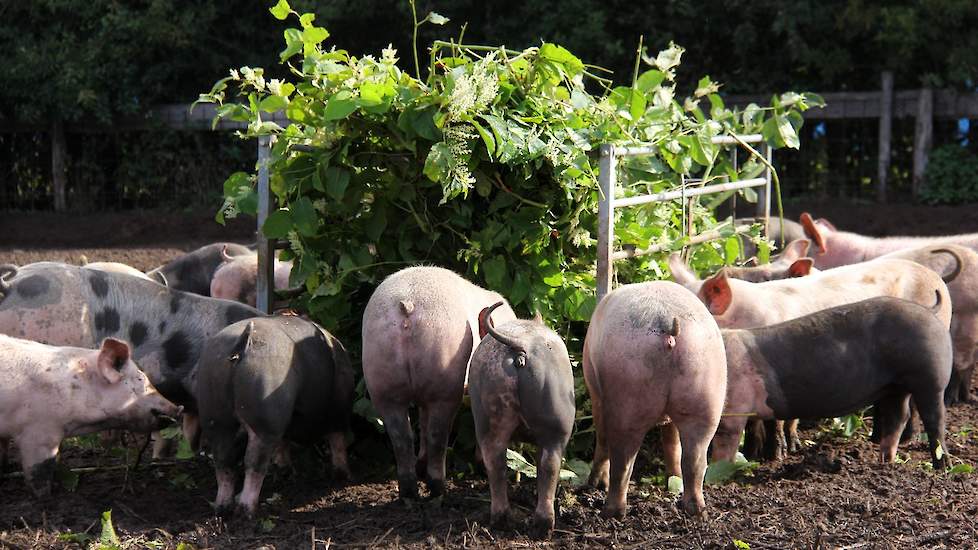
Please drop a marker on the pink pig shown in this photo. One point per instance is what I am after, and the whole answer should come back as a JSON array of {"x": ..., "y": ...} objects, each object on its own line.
[{"x": 48, "y": 393}]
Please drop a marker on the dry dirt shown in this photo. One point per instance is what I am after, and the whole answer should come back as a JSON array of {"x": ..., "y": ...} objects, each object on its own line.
[{"x": 833, "y": 494}]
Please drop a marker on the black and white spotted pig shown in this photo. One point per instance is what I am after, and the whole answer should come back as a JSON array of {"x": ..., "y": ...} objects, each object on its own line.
[
  {"x": 272, "y": 379},
  {"x": 194, "y": 271},
  {"x": 67, "y": 305},
  {"x": 520, "y": 381}
]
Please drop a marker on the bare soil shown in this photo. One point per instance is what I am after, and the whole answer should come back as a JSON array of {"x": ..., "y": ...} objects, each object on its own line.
[{"x": 832, "y": 494}]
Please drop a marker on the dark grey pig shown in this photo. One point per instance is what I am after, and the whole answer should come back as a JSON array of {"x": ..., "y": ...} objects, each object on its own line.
[
  {"x": 879, "y": 351},
  {"x": 417, "y": 340},
  {"x": 520, "y": 380},
  {"x": 270, "y": 379},
  {"x": 653, "y": 353},
  {"x": 194, "y": 271}
]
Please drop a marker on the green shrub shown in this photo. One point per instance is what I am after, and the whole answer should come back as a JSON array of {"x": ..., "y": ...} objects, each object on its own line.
[
  {"x": 952, "y": 176},
  {"x": 488, "y": 167}
]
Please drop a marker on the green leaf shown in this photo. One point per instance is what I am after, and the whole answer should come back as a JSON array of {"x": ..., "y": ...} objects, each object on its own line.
[
  {"x": 278, "y": 224},
  {"x": 558, "y": 54},
  {"x": 495, "y": 270},
  {"x": 312, "y": 36},
  {"x": 108, "y": 536},
  {"x": 375, "y": 226},
  {"x": 962, "y": 468},
  {"x": 723, "y": 470},
  {"x": 66, "y": 477},
  {"x": 304, "y": 217},
  {"x": 740, "y": 545},
  {"x": 486, "y": 137},
  {"x": 337, "y": 179},
  {"x": 293, "y": 44},
  {"x": 437, "y": 18},
  {"x": 939, "y": 451},
  {"x": 675, "y": 485},
  {"x": 520, "y": 289},
  {"x": 731, "y": 249},
  {"x": 306, "y": 20},
  {"x": 339, "y": 106},
  {"x": 517, "y": 463},
  {"x": 273, "y": 103},
  {"x": 281, "y": 10},
  {"x": 787, "y": 132},
  {"x": 649, "y": 79}
]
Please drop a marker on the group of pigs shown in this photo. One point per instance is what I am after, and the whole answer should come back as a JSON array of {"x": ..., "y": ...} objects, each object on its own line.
[{"x": 887, "y": 322}]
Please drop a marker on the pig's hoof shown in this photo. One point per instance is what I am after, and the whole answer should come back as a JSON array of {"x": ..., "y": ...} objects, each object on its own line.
[
  {"x": 407, "y": 488},
  {"x": 598, "y": 481},
  {"x": 794, "y": 444},
  {"x": 499, "y": 520},
  {"x": 694, "y": 511},
  {"x": 342, "y": 475},
  {"x": 224, "y": 511},
  {"x": 613, "y": 512},
  {"x": 435, "y": 502},
  {"x": 541, "y": 528},
  {"x": 436, "y": 487}
]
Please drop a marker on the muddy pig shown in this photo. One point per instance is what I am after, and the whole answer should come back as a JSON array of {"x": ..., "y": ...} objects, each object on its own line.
[
  {"x": 419, "y": 329},
  {"x": 879, "y": 351},
  {"x": 48, "y": 393},
  {"x": 521, "y": 380},
  {"x": 270, "y": 379},
  {"x": 193, "y": 271},
  {"x": 653, "y": 353},
  {"x": 237, "y": 278}
]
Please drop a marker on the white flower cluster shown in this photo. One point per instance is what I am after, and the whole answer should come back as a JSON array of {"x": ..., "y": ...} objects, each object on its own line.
[
  {"x": 230, "y": 209},
  {"x": 295, "y": 243},
  {"x": 475, "y": 91},
  {"x": 389, "y": 55},
  {"x": 320, "y": 206},
  {"x": 581, "y": 237},
  {"x": 457, "y": 138}
]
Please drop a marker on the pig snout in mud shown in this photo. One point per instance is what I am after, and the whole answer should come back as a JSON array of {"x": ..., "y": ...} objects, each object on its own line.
[
  {"x": 653, "y": 352},
  {"x": 313, "y": 396},
  {"x": 48, "y": 393},
  {"x": 237, "y": 278},
  {"x": 879, "y": 351},
  {"x": 418, "y": 337},
  {"x": 520, "y": 379}
]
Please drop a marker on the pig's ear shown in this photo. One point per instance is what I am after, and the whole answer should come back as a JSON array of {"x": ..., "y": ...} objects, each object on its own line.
[
  {"x": 225, "y": 255},
  {"x": 800, "y": 268},
  {"x": 716, "y": 293},
  {"x": 812, "y": 232},
  {"x": 680, "y": 272},
  {"x": 112, "y": 358},
  {"x": 796, "y": 249},
  {"x": 485, "y": 320}
]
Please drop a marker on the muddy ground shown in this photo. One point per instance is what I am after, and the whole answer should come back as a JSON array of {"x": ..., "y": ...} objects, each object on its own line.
[{"x": 833, "y": 494}]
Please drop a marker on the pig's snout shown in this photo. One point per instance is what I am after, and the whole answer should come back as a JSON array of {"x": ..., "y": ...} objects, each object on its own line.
[{"x": 166, "y": 417}]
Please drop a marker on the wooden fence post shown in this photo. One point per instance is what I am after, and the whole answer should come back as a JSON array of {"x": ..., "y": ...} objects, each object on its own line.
[
  {"x": 923, "y": 138},
  {"x": 59, "y": 179},
  {"x": 886, "y": 131}
]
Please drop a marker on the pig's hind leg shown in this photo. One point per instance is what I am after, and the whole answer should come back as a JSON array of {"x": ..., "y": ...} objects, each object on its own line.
[
  {"x": 548, "y": 475},
  {"x": 695, "y": 433},
  {"x": 892, "y": 414},
  {"x": 494, "y": 433},
  {"x": 258, "y": 455},
  {"x": 931, "y": 410},
  {"x": 398, "y": 425},
  {"x": 226, "y": 443},
  {"x": 438, "y": 428}
]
